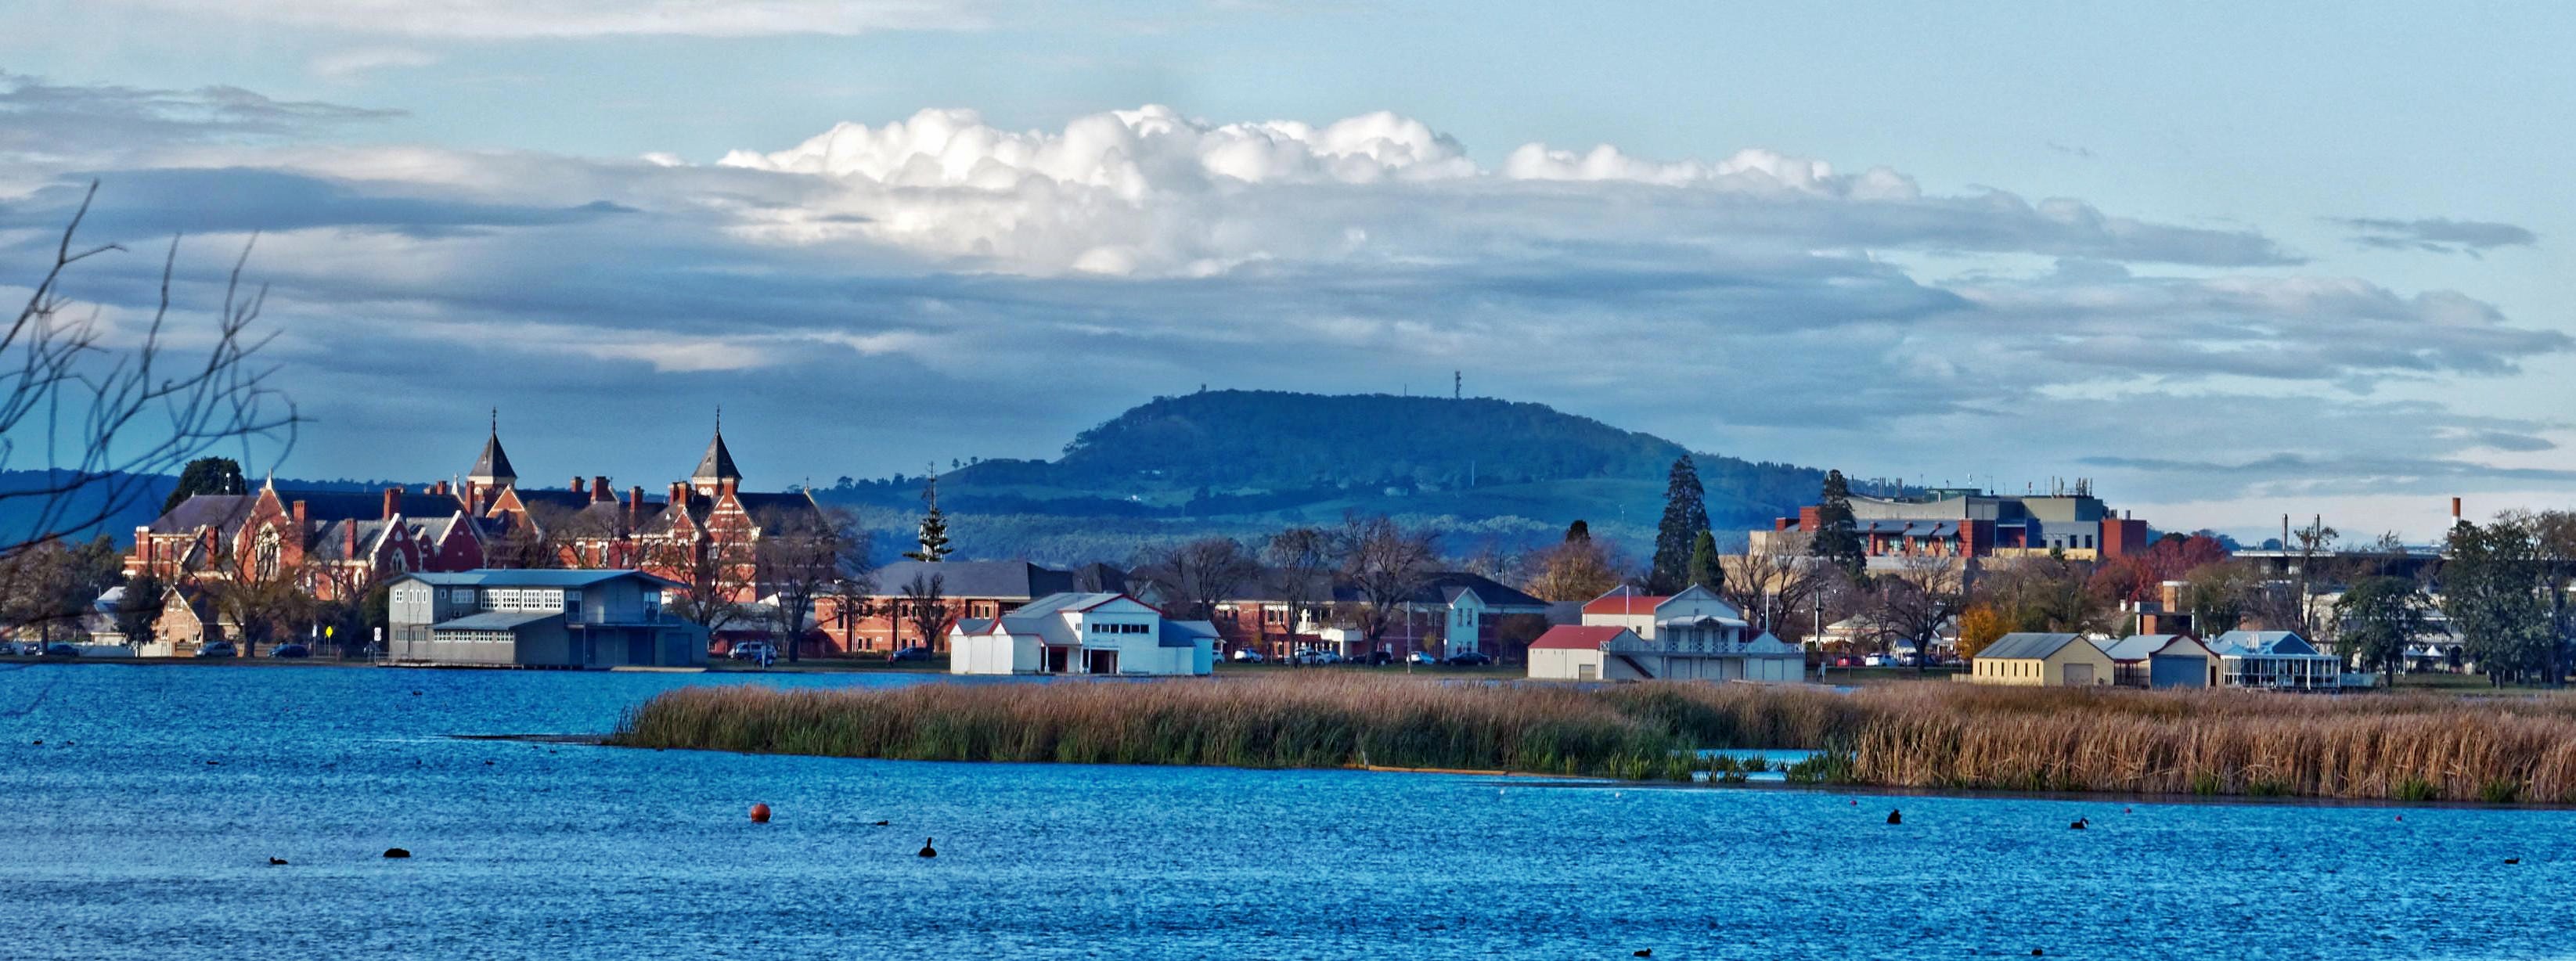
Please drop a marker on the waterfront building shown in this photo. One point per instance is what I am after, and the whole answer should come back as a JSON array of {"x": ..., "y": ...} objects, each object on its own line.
[
  {"x": 2042, "y": 660},
  {"x": 1082, "y": 633},
  {"x": 2160, "y": 660},
  {"x": 1691, "y": 635},
  {"x": 2275, "y": 661},
  {"x": 539, "y": 618},
  {"x": 889, "y": 617},
  {"x": 1450, "y": 613}
]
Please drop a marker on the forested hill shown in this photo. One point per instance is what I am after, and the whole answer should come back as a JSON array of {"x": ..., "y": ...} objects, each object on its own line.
[
  {"x": 1276, "y": 440},
  {"x": 1486, "y": 472}
]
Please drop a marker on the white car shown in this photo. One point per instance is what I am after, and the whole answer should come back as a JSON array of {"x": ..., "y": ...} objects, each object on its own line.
[
  {"x": 1249, "y": 656},
  {"x": 1878, "y": 660}
]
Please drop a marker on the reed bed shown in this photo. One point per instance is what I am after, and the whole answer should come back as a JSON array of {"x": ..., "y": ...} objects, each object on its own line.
[{"x": 2418, "y": 747}]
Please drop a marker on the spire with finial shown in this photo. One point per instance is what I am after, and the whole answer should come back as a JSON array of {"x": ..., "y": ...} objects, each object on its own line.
[
  {"x": 716, "y": 467},
  {"x": 493, "y": 468}
]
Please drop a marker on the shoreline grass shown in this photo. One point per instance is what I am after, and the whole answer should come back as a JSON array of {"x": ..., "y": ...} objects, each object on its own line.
[{"x": 2411, "y": 747}]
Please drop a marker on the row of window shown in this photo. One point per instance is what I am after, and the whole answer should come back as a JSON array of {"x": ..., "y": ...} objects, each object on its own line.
[
  {"x": 1100, "y": 628},
  {"x": 475, "y": 637}
]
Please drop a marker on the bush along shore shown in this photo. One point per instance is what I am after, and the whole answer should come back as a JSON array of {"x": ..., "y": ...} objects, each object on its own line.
[{"x": 1939, "y": 736}]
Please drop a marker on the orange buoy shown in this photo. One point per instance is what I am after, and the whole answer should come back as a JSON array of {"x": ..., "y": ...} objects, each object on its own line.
[{"x": 760, "y": 814}]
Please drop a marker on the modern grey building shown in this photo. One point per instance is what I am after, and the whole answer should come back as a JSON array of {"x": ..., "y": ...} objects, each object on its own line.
[{"x": 538, "y": 618}]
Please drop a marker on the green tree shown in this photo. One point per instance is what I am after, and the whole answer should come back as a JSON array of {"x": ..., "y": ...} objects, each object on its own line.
[
  {"x": 207, "y": 475},
  {"x": 2489, "y": 589},
  {"x": 2380, "y": 615},
  {"x": 934, "y": 525},
  {"x": 1704, "y": 569},
  {"x": 1837, "y": 534},
  {"x": 1685, "y": 517},
  {"x": 140, "y": 607},
  {"x": 1578, "y": 532}
]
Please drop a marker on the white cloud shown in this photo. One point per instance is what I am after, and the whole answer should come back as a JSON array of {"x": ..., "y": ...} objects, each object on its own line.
[
  {"x": 345, "y": 64},
  {"x": 514, "y": 19},
  {"x": 1151, "y": 192}
]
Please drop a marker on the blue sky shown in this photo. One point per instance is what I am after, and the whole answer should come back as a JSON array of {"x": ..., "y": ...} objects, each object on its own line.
[{"x": 2228, "y": 262}]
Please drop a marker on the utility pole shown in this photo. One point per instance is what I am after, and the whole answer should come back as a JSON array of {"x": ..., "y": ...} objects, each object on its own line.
[{"x": 1457, "y": 385}]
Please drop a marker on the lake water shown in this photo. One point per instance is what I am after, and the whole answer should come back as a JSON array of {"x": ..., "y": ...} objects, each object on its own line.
[{"x": 119, "y": 840}]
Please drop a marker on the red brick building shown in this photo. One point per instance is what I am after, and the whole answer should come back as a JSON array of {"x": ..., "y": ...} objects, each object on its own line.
[{"x": 1964, "y": 522}]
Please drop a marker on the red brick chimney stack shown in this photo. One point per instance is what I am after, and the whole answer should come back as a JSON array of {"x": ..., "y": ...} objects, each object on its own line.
[
  {"x": 298, "y": 511},
  {"x": 599, "y": 489},
  {"x": 635, "y": 503},
  {"x": 393, "y": 503}
]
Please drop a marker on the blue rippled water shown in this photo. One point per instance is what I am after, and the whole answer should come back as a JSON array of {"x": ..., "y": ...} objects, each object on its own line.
[{"x": 119, "y": 840}]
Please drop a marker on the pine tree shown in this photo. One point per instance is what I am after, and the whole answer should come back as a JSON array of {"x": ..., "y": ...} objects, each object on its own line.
[
  {"x": 934, "y": 525},
  {"x": 1704, "y": 569},
  {"x": 207, "y": 475},
  {"x": 1578, "y": 532},
  {"x": 1837, "y": 537},
  {"x": 1685, "y": 516}
]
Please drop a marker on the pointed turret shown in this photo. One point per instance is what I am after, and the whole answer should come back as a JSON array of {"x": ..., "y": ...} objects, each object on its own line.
[
  {"x": 715, "y": 470},
  {"x": 493, "y": 468}
]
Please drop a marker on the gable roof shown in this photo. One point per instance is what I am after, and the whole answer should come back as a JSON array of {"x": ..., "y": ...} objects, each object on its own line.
[
  {"x": 1577, "y": 637},
  {"x": 512, "y": 577},
  {"x": 1625, "y": 600},
  {"x": 2027, "y": 646},
  {"x": 2264, "y": 643},
  {"x": 2135, "y": 647},
  {"x": 1000, "y": 580}
]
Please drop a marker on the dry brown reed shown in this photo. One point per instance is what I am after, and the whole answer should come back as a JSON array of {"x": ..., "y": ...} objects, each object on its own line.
[{"x": 2413, "y": 747}]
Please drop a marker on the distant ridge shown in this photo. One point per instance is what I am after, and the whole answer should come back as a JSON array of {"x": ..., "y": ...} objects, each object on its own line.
[{"x": 1486, "y": 472}]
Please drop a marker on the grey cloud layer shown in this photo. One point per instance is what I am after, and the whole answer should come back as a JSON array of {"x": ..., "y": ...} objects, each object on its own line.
[
  {"x": 985, "y": 298},
  {"x": 2437, "y": 235}
]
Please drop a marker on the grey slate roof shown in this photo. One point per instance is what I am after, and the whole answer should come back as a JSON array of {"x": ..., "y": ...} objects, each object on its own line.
[
  {"x": 999, "y": 580},
  {"x": 2030, "y": 646},
  {"x": 219, "y": 511},
  {"x": 2135, "y": 647},
  {"x": 717, "y": 464},
  {"x": 494, "y": 463}
]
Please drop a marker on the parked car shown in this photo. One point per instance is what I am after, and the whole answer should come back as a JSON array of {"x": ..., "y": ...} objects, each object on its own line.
[
  {"x": 290, "y": 651},
  {"x": 910, "y": 654},
  {"x": 749, "y": 651},
  {"x": 219, "y": 649},
  {"x": 1420, "y": 657},
  {"x": 1380, "y": 658},
  {"x": 61, "y": 650},
  {"x": 1471, "y": 659},
  {"x": 1249, "y": 656}
]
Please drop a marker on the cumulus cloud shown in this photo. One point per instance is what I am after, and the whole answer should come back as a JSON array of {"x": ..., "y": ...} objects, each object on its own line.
[
  {"x": 1152, "y": 192},
  {"x": 2437, "y": 235},
  {"x": 515, "y": 19},
  {"x": 1038, "y": 281}
]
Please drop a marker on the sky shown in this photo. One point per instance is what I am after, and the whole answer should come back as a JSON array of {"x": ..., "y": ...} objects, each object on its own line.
[{"x": 2227, "y": 263}]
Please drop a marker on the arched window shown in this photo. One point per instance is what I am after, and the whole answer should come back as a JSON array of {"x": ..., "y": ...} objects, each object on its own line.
[{"x": 264, "y": 554}]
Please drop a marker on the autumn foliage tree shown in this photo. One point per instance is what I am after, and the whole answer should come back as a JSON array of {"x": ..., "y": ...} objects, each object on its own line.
[{"x": 1980, "y": 625}]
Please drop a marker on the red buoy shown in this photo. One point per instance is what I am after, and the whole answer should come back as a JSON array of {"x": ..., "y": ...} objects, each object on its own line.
[{"x": 760, "y": 814}]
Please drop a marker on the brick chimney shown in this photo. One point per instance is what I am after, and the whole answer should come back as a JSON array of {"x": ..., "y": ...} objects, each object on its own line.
[
  {"x": 726, "y": 486},
  {"x": 599, "y": 489},
  {"x": 635, "y": 503},
  {"x": 393, "y": 503},
  {"x": 298, "y": 511},
  {"x": 576, "y": 486},
  {"x": 349, "y": 542},
  {"x": 679, "y": 493}
]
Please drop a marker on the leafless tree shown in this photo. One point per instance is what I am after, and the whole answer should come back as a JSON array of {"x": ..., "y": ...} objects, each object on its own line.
[
  {"x": 1775, "y": 581},
  {"x": 101, "y": 422},
  {"x": 1386, "y": 566},
  {"x": 2290, "y": 603},
  {"x": 925, "y": 607},
  {"x": 711, "y": 580},
  {"x": 1302, "y": 558},
  {"x": 804, "y": 555},
  {"x": 1913, "y": 601},
  {"x": 1198, "y": 575}
]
